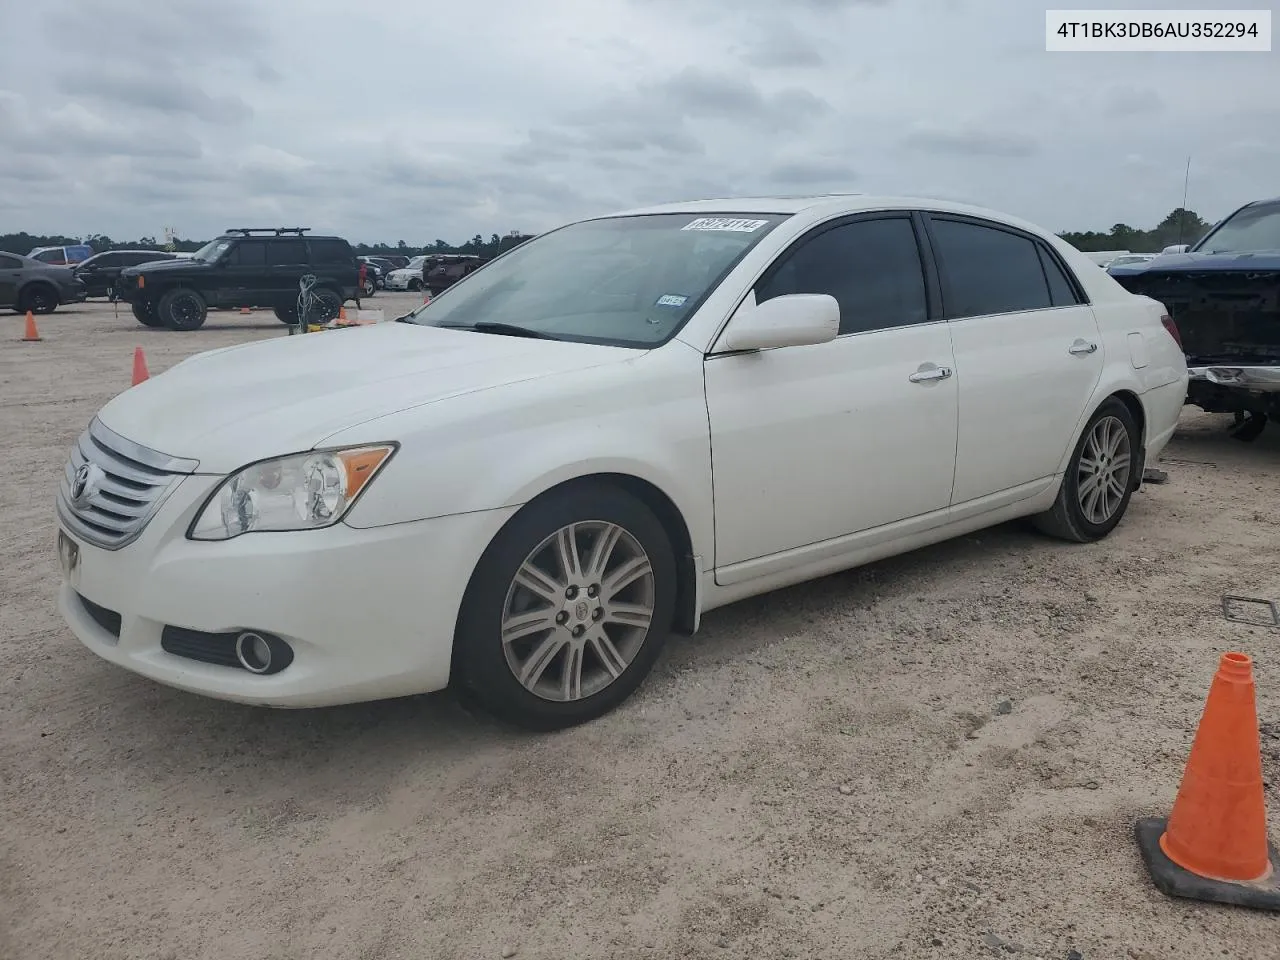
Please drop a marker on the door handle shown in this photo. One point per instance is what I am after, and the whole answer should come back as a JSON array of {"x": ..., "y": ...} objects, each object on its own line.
[
  {"x": 924, "y": 375},
  {"x": 1081, "y": 348}
]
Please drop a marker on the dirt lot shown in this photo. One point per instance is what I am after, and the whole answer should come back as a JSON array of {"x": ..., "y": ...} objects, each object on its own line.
[{"x": 940, "y": 756}]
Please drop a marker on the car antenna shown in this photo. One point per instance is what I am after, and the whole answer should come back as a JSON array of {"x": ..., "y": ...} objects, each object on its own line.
[{"x": 1182, "y": 216}]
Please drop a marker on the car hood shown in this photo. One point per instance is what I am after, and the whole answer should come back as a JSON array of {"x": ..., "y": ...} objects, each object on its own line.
[
  {"x": 165, "y": 266},
  {"x": 1251, "y": 262},
  {"x": 232, "y": 406}
]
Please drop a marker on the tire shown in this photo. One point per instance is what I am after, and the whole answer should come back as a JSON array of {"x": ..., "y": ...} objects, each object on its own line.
[
  {"x": 1087, "y": 518},
  {"x": 330, "y": 303},
  {"x": 611, "y": 662},
  {"x": 370, "y": 286},
  {"x": 415, "y": 285},
  {"x": 287, "y": 314},
  {"x": 39, "y": 298},
  {"x": 183, "y": 309},
  {"x": 145, "y": 314}
]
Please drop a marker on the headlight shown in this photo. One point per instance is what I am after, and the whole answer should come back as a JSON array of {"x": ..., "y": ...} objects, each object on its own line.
[{"x": 306, "y": 491}]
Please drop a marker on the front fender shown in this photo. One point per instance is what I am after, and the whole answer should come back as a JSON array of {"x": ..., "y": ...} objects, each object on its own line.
[{"x": 645, "y": 418}]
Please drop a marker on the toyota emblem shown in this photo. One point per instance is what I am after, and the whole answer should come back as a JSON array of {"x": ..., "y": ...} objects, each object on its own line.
[{"x": 83, "y": 486}]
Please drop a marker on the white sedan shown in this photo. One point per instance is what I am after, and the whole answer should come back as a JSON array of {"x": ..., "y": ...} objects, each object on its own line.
[
  {"x": 523, "y": 487},
  {"x": 407, "y": 278}
]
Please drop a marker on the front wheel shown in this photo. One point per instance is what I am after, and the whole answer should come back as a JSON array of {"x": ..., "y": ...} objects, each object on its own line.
[
  {"x": 39, "y": 298},
  {"x": 183, "y": 309},
  {"x": 567, "y": 610},
  {"x": 370, "y": 287},
  {"x": 1100, "y": 478}
]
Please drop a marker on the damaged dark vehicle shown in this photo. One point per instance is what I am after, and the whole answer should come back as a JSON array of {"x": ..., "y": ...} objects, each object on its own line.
[{"x": 1224, "y": 295}]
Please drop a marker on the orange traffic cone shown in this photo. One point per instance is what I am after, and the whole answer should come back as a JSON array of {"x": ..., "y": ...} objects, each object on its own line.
[
  {"x": 139, "y": 366},
  {"x": 342, "y": 316},
  {"x": 426, "y": 296},
  {"x": 31, "y": 334},
  {"x": 1214, "y": 845}
]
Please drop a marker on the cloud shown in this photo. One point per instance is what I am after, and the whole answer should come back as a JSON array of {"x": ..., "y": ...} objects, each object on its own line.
[
  {"x": 141, "y": 90},
  {"x": 973, "y": 141},
  {"x": 123, "y": 116}
]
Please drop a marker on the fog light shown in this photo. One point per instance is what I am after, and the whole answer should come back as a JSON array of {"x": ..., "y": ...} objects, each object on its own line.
[{"x": 253, "y": 652}]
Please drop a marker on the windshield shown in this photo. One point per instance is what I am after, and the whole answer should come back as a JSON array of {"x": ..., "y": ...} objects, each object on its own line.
[
  {"x": 1253, "y": 228},
  {"x": 212, "y": 250},
  {"x": 415, "y": 264},
  {"x": 627, "y": 281}
]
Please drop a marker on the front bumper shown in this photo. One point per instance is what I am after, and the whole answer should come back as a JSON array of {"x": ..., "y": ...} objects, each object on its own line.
[
  {"x": 399, "y": 283},
  {"x": 369, "y": 614},
  {"x": 76, "y": 293}
]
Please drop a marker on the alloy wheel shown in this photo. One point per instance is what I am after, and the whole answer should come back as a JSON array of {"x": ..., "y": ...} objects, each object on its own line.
[
  {"x": 578, "y": 611},
  {"x": 1102, "y": 475}
]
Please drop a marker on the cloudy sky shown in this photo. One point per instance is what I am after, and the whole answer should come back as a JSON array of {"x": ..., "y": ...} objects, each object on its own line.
[{"x": 417, "y": 120}]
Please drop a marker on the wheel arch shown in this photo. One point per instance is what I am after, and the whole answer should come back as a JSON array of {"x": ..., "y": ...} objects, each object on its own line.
[
  {"x": 688, "y": 573},
  {"x": 1132, "y": 401}
]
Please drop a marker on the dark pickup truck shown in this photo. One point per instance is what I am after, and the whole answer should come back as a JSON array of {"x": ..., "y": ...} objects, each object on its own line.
[
  {"x": 245, "y": 267},
  {"x": 1223, "y": 293}
]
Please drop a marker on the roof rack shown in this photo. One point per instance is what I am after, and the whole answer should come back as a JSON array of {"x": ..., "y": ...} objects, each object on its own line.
[{"x": 277, "y": 231}]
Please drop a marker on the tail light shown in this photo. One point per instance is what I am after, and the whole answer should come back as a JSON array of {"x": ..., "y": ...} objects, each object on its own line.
[{"x": 1172, "y": 328}]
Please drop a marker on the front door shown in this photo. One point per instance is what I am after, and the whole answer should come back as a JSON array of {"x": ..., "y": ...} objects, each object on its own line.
[
  {"x": 816, "y": 442},
  {"x": 10, "y": 270},
  {"x": 1028, "y": 354}
]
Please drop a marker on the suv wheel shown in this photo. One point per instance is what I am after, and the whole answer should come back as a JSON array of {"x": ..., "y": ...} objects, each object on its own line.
[
  {"x": 328, "y": 305},
  {"x": 145, "y": 314},
  {"x": 183, "y": 309},
  {"x": 39, "y": 298},
  {"x": 370, "y": 286},
  {"x": 287, "y": 314},
  {"x": 415, "y": 285}
]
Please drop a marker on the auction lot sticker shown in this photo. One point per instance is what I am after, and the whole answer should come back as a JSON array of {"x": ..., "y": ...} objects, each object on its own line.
[{"x": 725, "y": 223}]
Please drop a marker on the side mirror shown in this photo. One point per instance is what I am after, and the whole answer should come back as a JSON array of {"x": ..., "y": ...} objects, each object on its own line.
[
  {"x": 794, "y": 320},
  {"x": 1177, "y": 248}
]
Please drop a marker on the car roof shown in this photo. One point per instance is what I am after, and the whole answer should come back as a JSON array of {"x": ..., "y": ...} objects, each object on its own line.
[{"x": 829, "y": 204}]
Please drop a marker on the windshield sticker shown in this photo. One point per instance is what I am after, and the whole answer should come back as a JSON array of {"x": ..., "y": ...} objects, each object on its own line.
[
  {"x": 671, "y": 300},
  {"x": 725, "y": 223}
]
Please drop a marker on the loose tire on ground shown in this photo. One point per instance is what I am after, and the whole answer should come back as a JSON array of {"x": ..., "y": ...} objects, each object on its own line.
[
  {"x": 1110, "y": 436},
  {"x": 183, "y": 309},
  {"x": 505, "y": 628},
  {"x": 145, "y": 314}
]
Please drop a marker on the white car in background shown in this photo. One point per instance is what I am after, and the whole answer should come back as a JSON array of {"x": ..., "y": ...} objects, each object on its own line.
[
  {"x": 521, "y": 488},
  {"x": 407, "y": 278}
]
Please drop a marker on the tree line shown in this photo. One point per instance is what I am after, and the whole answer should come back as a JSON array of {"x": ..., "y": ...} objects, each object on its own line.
[
  {"x": 1180, "y": 226},
  {"x": 24, "y": 243}
]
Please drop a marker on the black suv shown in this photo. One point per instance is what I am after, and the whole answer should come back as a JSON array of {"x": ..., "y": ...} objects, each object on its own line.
[
  {"x": 245, "y": 267},
  {"x": 101, "y": 272}
]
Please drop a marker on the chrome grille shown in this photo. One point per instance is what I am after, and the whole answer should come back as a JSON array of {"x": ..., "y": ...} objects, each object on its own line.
[{"x": 125, "y": 485}]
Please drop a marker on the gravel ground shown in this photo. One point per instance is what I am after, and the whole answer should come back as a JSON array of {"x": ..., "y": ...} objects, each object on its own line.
[{"x": 939, "y": 756}]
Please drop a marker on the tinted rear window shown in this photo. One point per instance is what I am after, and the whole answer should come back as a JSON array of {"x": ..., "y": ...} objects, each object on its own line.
[{"x": 330, "y": 251}]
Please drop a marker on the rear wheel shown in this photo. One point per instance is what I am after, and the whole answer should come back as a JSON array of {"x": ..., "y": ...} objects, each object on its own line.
[
  {"x": 287, "y": 314},
  {"x": 145, "y": 314},
  {"x": 1100, "y": 478},
  {"x": 567, "y": 610},
  {"x": 183, "y": 309},
  {"x": 370, "y": 287},
  {"x": 328, "y": 305}
]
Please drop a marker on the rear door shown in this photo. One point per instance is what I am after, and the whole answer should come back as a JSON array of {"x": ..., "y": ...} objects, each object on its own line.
[
  {"x": 287, "y": 261},
  {"x": 333, "y": 263},
  {"x": 1027, "y": 348}
]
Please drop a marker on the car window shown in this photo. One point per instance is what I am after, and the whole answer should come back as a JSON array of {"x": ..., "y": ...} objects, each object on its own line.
[
  {"x": 871, "y": 267},
  {"x": 10, "y": 263},
  {"x": 286, "y": 252},
  {"x": 330, "y": 251},
  {"x": 55, "y": 256},
  {"x": 107, "y": 260},
  {"x": 133, "y": 259},
  {"x": 248, "y": 253},
  {"x": 987, "y": 270},
  {"x": 1060, "y": 290},
  {"x": 1256, "y": 227}
]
